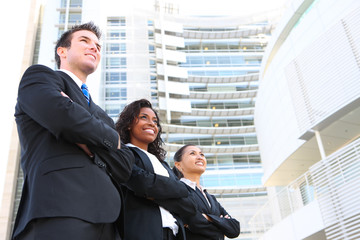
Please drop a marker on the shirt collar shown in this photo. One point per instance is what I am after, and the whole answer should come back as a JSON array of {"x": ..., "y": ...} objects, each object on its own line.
[
  {"x": 73, "y": 77},
  {"x": 191, "y": 184},
  {"x": 132, "y": 145}
]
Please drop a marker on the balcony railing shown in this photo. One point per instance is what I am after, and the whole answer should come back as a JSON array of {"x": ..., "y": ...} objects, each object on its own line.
[
  {"x": 334, "y": 182},
  {"x": 287, "y": 201}
]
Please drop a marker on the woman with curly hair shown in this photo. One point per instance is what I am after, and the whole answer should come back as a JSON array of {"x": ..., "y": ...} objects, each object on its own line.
[{"x": 154, "y": 198}]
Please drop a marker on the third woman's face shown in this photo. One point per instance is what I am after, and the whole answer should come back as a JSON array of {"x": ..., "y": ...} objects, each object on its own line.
[
  {"x": 193, "y": 161},
  {"x": 144, "y": 128}
]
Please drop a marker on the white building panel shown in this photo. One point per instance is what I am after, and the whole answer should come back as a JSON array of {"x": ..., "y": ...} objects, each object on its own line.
[
  {"x": 308, "y": 80},
  {"x": 171, "y": 55},
  {"x": 169, "y": 26},
  {"x": 172, "y": 71},
  {"x": 322, "y": 81},
  {"x": 176, "y": 105},
  {"x": 170, "y": 40},
  {"x": 297, "y": 226},
  {"x": 173, "y": 87}
]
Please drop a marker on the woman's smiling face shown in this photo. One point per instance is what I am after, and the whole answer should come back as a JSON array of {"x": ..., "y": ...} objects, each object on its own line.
[
  {"x": 144, "y": 128},
  {"x": 192, "y": 161}
]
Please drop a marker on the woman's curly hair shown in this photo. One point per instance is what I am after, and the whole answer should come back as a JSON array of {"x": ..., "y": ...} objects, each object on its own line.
[{"x": 126, "y": 119}]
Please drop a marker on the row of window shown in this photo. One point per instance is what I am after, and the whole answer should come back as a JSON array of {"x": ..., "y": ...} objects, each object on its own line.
[
  {"x": 214, "y": 141},
  {"x": 231, "y": 161},
  {"x": 115, "y": 62},
  {"x": 116, "y": 21},
  {"x": 229, "y": 46},
  {"x": 72, "y": 4},
  {"x": 115, "y": 77},
  {"x": 223, "y": 88},
  {"x": 216, "y": 73},
  {"x": 221, "y": 61},
  {"x": 112, "y": 94},
  {"x": 115, "y": 48},
  {"x": 74, "y": 18},
  {"x": 244, "y": 103},
  {"x": 234, "y": 122},
  {"x": 116, "y": 34},
  {"x": 232, "y": 180},
  {"x": 113, "y": 110}
]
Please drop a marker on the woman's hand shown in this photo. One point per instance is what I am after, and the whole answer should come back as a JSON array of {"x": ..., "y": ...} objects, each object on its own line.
[
  {"x": 207, "y": 217},
  {"x": 85, "y": 149}
]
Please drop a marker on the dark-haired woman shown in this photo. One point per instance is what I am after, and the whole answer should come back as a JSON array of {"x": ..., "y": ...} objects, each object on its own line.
[
  {"x": 154, "y": 197},
  {"x": 211, "y": 220}
]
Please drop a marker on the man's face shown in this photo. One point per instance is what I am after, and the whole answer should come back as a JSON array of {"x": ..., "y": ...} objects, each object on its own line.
[{"x": 83, "y": 56}]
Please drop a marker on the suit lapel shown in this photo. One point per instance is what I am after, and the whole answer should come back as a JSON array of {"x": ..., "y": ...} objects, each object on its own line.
[
  {"x": 167, "y": 167},
  {"x": 201, "y": 196},
  {"x": 211, "y": 200},
  {"x": 144, "y": 159},
  {"x": 73, "y": 90}
]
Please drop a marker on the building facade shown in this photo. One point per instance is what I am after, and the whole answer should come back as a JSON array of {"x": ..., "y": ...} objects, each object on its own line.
[
  {"x": 200, "y": 72},
  {"x": 307, "y": 120}
]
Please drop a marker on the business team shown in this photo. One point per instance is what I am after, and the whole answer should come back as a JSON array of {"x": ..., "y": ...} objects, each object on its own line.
[{"x": 80, "y": 179}]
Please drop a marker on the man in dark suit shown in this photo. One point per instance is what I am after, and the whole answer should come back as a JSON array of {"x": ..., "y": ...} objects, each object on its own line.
[{"x": 71, "y": 154}]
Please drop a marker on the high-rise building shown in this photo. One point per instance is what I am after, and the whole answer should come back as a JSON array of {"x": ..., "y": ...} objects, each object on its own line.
[
  {"x": 307, "y": 119},
  {"x": 200, "y": 72}
]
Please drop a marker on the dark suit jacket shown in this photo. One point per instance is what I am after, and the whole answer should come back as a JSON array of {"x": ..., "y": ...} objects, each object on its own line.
[
  {"x": 60, "y": 180},
  {"x": 143, "y": 194},
  {"x": 199, "y": 228}
]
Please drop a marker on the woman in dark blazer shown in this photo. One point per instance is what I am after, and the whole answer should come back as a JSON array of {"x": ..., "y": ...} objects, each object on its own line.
[
  {"x": 154, "y": 197},
  {"x": 211, "y": 220}
]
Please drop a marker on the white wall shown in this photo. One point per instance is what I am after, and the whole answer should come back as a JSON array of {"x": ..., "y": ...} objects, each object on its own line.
[
  {"x": 297, "y": 226},
  {"x": 14, "y": 19},
  {"x": 317, "y": 54}
]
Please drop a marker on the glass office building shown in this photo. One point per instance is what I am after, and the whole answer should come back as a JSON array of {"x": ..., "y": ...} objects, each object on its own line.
[{"x": 200, "y": 72}]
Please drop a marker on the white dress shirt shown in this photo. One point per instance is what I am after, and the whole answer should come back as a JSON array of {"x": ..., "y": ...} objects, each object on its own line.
[
  {"x": 73, "y": 77},
  {"x": 193, "y": 186},
  {"x": 167, "y": 218}
]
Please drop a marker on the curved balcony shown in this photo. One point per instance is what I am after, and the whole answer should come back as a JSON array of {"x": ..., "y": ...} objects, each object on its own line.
[
  {"x": 223, "y": 79},
  {"x": 207, "y": 130},
  {"x": 223, "y": 95},
  {"x": 222, "y": 112},
  {"x": 227, "y": 34},
  {"x": 239, "y": 190},
  {"x": 217, "y": 149}
]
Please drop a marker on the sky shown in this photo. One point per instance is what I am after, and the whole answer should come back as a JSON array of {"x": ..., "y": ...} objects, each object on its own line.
[{"x": 228, "y": 7}]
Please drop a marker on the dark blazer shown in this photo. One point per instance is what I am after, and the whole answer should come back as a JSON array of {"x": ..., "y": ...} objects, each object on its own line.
[
  {"x": 199, "y": 228},
  {"x": 143, "y": 194},
  {"x": 60, "y": 180}
]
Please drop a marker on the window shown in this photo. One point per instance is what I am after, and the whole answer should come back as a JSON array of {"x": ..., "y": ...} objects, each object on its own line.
[
  {"x": 116, "y": 34},
  {"x": 115, "y": 78},
  {"x": 151, "y": 34},
  {"x": 151, "y": 49},
  {"x": 116, "y": 22},
  {"x": 74, "y": 18},
  {"x": 113, "y": 48},
  {"x": 113, "y": 110},
  {"x": 115, "y": 94},
  {"x": 115, "y": 62}
]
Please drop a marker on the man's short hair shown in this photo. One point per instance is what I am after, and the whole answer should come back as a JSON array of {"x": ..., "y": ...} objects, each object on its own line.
[{"x": 65, "y": 39}]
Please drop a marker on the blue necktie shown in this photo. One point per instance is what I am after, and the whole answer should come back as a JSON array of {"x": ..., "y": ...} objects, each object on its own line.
[{"x": 85, "y": 91}]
